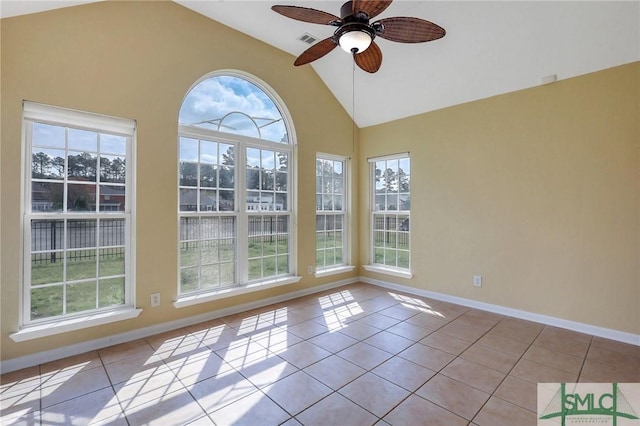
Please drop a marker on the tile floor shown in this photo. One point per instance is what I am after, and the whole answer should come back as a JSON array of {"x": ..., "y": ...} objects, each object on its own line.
[{"x": 355, "y": 355}]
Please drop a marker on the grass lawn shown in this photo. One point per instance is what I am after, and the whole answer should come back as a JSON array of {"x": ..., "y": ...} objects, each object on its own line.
[{"x": 88, "y": 292}]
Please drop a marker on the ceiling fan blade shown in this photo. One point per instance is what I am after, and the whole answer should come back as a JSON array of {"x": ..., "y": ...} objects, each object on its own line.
[
  {"x": 306, "y": 14},
  {"x": 370, "y": 7},
  {"x": 316, "y": 51},
  {"x": 369, "y": 60},
  {"x": 409, "y": 30}
]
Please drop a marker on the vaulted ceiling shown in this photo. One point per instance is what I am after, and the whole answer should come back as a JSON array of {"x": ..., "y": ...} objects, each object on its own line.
[{"x": 491, "y": 47}]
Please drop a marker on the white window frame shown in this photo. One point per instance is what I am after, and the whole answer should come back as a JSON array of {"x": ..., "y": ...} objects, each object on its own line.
[
  {"x": 373, "y": 212},
  {"x": 345, "y": 265},
  {"x": 241, "y": 210},
  {"x": 57, "y": 116}
]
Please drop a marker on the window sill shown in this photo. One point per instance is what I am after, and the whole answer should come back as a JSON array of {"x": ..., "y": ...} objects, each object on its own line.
[
  {"x": 401, "y": 273},
  {"x": 333, "y": 271},
  {"x": 44, "y": 330},
  {"x": 190, "y": 300}
]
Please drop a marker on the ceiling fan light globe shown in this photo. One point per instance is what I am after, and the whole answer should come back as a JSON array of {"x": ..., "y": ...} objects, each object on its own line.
[{"x": 355, "y": 41}]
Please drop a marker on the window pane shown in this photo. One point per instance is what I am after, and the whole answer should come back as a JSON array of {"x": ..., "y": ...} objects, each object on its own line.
[
  {"x": 81, "y": 198},
  {"x": 47, "y": 235},
  {"x": 253, "y": 158},
  {"x": 253, "y": 178},
  {"x": 188, "y": 149},
  {"x": 112, "y": 198},
  {"x": 255, "y": 269},
  {"x": 48, "y": 135},
  {"x": 81, "y": 297},
  {"x": 281, "y": 202},
  {"x": 208, "y": 176},
  {"x": 227, "y": 249},
  {"x": 111, "y": 292},
  {"x": 267, "y": 180},
  {"x": 209, "y": 252},
  {"x": 111, "y": 262},
  {"x": 227, "y": 273},
  {"x": 227, "y": 201},
  {"x": 268, "y": 160},
  {"x": 227, "y": 154},
  {"x": 209, "y": 276},
  {"x": 240, "y": 107},
  {"x": 112, "y": 144},
  {"x": 208, "y": 152},
  {"x": 208, "y": 200},
  {"x": 81, "y": 233},
  {"x": 46, "y": 302},
  {"x": 188, "y": 200},
  {"x": 112, "y": 232},
  {"x": 405, "y": 165},
  {"x": 189, "y": 228},
  {"x": 83, "y": 140},
  {"x": 46, "y": 197},
  {"x": 255, "y": 246},
  {"x": 112, "y": 168},
  {"x": 403, "y": 259},
  {"x": 81, "y": 265},
  {"x": 188, "y": 174},
  {"x": 82, "y": 166},
  {"x": 47, "y": 163},
  {"x": 189, "y": 253},
  {"x": 47, "y": 268},
  {"x": 227, "y": 179},
  {"x": 189, "y": 279},
  {"x": 283, "y": 161}
]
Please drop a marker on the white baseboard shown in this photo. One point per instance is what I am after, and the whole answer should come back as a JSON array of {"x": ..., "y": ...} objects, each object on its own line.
[
  {"x": 19, "y": 363},
  {"x": 606, "y": 333},
  {"x": 14, "y": 364}
]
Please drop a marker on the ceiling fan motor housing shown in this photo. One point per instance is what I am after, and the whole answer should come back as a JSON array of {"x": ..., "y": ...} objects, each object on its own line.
[{"x": 353, "y": 21}]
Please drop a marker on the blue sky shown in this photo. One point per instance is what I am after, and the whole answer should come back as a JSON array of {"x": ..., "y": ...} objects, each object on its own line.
[{"x": 216, "y": 97}]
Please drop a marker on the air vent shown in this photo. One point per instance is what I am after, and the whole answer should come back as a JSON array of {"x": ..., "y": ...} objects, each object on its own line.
[{"x": 308, "y": 38}]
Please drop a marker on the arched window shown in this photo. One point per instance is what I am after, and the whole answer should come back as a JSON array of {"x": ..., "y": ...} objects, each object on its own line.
[{"x": 235, "y": 185}]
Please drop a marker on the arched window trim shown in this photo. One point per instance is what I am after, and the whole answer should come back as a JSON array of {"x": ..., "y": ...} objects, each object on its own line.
[{"x": 241, "y": 141}]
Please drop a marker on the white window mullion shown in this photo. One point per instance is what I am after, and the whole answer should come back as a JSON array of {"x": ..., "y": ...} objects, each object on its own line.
[{"x": 242, "y": 228}]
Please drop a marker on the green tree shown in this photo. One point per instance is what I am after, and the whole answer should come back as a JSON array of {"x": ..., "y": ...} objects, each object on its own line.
[
  {"x": 403, "y": 181},
  {"x": 40, "y": 162},
  {"x": 118, "y": 169},
  {"x": 188, "y": 174},
  {"x": 226, "y": 171},
  {"x": 390, "y": 180},
  {"x": 58, "y": 164}
]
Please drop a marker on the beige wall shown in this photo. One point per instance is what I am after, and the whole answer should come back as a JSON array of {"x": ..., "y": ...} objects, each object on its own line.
[
  {"x": 538, "y": 191},
  {"x": 137, "y": 60}
]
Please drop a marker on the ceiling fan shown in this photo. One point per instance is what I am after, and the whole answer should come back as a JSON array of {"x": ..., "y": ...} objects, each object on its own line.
[{"x": 356, "y": 35}]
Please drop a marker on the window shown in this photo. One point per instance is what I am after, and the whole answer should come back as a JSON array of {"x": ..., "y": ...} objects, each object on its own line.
[
  {"x": 78, "y": 207},
  {"x": 235, "y": 185},
  {"x": 330, "y": 212},
  {"x": 390, "y": 217}
]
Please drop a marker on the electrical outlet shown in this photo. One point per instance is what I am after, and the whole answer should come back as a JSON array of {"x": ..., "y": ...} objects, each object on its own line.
[
  {"x": 477, "y": 280},
  {"x": 310, "y": 269},
  {"x": 155, "y": 299}
]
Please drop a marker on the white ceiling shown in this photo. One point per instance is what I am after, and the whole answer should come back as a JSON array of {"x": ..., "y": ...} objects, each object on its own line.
[{"x": 491, "y": 47}]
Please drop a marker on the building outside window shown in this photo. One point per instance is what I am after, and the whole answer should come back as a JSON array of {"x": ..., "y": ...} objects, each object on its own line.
[{"x": 77, "y": 213}]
